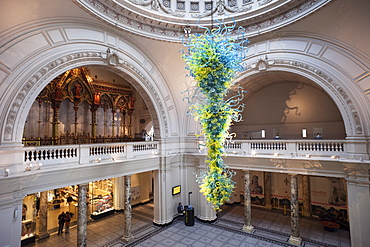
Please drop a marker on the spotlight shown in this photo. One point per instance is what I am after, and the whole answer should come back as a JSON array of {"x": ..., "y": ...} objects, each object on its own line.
[
  {"x": 276, "y": 154},
  {"x": 254, "y": 153},
  {"x": 6, "y": 172},
  {"x": 308, "y": 156}
]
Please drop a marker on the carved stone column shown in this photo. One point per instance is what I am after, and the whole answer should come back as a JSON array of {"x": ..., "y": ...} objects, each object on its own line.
[
  {"x": 123, "y": 121},
  {"x": 306, "y": 196},
  {"x": 93, "y": 110},
  {"x": 247, "y": 203},
  {"x": 82, "y": 215},
  {"x": 105, "y": 120},
  {"x": 57, "y": 100},
  {"x": 55, "y": 125},
  {"x": 294, "y": 238},
  {"x": 127, "y": 235},
  {"x": 43, "y": 216},
  {"x": 75, "y": 108},
  {"x": 130, "y": 112},
  {"x": 268, "y": 191},
  {"x": 113, "y": 121}
]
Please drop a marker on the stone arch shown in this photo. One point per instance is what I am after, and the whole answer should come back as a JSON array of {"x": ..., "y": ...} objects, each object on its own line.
[
  {"x": 31, "y": 73},
  {"x": 338, "y": 69}
]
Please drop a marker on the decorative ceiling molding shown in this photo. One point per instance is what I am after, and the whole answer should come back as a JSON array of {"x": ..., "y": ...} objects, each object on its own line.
[
  {"x": 157, "y": 5},
  {"x": 223, "y": 9},
  {"x": 164, "y": 22}
]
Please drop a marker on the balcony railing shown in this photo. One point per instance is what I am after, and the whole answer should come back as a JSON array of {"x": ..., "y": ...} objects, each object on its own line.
[
  {"x": 292, "y": 148},
  {"x": 88, "y": 153}
]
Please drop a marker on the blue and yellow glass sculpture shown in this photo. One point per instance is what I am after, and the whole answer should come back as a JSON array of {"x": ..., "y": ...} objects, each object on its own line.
[{"x": 214, "y": 58}]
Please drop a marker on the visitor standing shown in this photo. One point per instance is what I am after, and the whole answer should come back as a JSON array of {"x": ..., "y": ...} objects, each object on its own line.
[
  {"x": 61, "y": 220},
  {"x": 180, "y": 209},
  {"x": 67, "y": 220},
  {"x": 24, "y": 211}
]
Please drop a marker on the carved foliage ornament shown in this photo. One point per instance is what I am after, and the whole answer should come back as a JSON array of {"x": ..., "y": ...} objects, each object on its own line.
[
  {"x": 222, "y": 8},
  {"x": 157, "y": 5}
]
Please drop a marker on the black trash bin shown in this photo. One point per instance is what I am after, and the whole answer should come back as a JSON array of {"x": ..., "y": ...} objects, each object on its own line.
[{"x": 189, "y": 215}]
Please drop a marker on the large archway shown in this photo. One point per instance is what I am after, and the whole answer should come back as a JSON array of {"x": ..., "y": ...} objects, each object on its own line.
[
  {"x": 330, "y": 66},
  {"x": 33, "y": 68}
]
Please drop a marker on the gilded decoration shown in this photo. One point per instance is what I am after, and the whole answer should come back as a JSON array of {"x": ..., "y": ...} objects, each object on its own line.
[{"x": 78, "y": 86}]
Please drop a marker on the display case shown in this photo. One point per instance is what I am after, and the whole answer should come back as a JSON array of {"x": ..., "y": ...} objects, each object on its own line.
[
  {"x": 101, "y": 198},
  {"x": 28, "y": 232}
]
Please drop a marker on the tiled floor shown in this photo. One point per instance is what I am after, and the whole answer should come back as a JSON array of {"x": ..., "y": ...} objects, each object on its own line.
[{"x": 272, "y": 229}]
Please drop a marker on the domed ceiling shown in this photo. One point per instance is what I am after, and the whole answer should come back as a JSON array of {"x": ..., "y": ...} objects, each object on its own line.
[{"x": 166, "y": 19}]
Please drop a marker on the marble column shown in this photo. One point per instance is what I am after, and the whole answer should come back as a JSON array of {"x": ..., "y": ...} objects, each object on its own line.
[
  {"x": 127, "y": 235},
  {"x": 247, "y": 203},
  {"x": 82, "y": 215},
  {"x": 268, "y": 190},
  {"x": 294, "y": 218},
  {"x": 43, "y": 216},
  {"x": 306, "y": 196}
]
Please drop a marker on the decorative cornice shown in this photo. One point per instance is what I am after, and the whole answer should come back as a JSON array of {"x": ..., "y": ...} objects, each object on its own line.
[{"x": 168, "y": 28}]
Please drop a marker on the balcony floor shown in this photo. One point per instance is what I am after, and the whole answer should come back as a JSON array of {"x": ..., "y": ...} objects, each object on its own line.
[{"x": 271, "y": 229}]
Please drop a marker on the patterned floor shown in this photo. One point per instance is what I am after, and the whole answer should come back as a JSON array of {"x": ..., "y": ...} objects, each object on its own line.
[{"x": 272, "y": 229}]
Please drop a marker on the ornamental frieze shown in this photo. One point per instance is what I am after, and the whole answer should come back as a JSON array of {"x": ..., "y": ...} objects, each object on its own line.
[{"x": 164, "y": 20}]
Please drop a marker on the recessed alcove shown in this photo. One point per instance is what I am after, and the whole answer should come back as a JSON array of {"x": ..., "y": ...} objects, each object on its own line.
[{"x": 284, "y": 104}]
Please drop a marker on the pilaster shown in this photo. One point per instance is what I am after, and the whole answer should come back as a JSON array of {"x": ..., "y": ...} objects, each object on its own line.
[
  {"x": 162, "y": 208},
  {"x": 358, "y": 189},
  {"x": 306, "y": 196},
  {"x": 268, "y": 190},
  {"x": 118, "y": 189}
]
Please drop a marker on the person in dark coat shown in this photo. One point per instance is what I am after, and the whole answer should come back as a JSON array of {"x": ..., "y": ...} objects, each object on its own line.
[
  {"x": 61, "y": 220},
  {"x": 67, "y": 220},
  {"x": 180, "y": 209}
]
